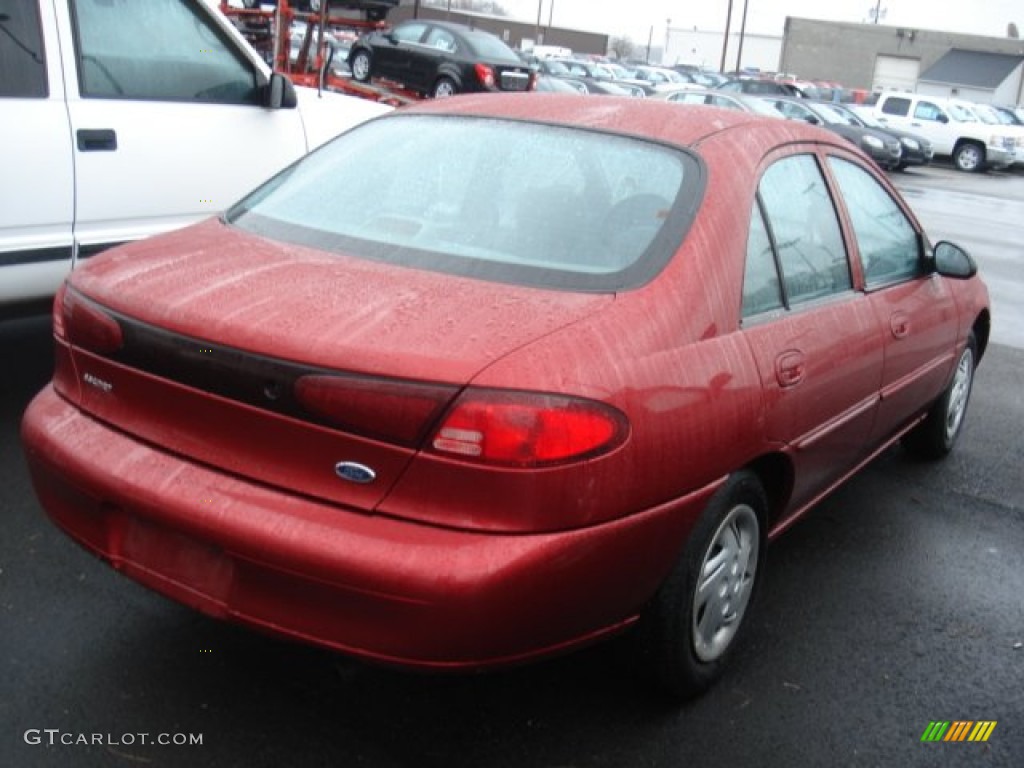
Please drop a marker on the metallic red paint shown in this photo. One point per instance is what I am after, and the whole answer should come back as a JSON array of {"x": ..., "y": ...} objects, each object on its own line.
[
  {"x": 378, "y": 587},
  {"x": 236, "y": 509}
]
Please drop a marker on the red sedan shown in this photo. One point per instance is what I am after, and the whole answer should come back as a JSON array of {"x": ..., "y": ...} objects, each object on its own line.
[{"x": 493, "y": 377}]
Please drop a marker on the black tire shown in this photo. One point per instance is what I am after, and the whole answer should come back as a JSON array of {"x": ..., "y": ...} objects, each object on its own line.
[
  {"x": 444, "y": 87},
  {"x": 935, "y": 437},
  {"x": 969, "y": 156},
  {"x": 686, "y": 640},
  {"x": 361, "y": 65}
]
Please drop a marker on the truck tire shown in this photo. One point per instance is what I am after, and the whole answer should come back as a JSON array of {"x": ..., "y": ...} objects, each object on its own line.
[{"x": 969, "y": 156}]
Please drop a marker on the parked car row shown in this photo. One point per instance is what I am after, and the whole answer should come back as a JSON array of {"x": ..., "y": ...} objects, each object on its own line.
[{"x": 891, "y": 149}]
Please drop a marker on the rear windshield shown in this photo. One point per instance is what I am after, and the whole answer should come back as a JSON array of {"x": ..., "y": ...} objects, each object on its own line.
[
  {"x": 490, "y": 47},
  {"x": 495, "y": 199}
]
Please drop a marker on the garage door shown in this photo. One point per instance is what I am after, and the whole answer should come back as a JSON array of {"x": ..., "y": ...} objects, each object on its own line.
[{"x": 893, "y": 73}]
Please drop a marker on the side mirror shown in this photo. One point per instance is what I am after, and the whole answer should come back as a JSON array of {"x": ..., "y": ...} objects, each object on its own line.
[
  {"x": 943, "y": 118},
  {"x": 390, "y": 36},
  {"x": 279, "y": 93},
  {"x": 953, "y": 261}
]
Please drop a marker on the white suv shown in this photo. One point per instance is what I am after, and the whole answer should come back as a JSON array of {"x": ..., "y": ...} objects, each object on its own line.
[{"x": 953, "y": 129}]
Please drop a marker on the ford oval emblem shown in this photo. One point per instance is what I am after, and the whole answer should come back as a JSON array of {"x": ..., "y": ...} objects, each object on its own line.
[{"x": 355, "y": 473}]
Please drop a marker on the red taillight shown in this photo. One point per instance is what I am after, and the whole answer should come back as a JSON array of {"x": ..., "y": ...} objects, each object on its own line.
[
  {"x": 396, "y": 411},
  {"x": 485, "y": 75},
  {"x": 527, "y": 429},
  {"x": 86, "y": 325}
]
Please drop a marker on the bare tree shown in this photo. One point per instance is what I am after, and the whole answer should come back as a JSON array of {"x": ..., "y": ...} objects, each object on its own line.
[{"x": 622, "y": 47}]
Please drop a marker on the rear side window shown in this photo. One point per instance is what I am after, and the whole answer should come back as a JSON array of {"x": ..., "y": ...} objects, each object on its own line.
[
  {"x": 441, "y": 39},
  {"x": 158, "y": 50},
  {"x": 896, "y": 105},
  {"x": 495, "y": 199},
  {"x": 22, "y": 59},
  {"x": 762, "y": 291}
]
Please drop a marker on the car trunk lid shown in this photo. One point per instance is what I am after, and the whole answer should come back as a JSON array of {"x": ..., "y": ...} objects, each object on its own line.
[{"x": 316, "y": 373}]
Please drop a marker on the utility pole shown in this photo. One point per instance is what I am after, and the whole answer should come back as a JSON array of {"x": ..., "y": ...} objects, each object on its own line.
[
  {"x": 743, "y": 31},
  {"x": 725, "y": 42}
]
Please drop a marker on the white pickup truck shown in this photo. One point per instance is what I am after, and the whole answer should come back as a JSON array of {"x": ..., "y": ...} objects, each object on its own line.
[
  {"x": 123, "y": 118},
  {"x": 952, "y": 128}
]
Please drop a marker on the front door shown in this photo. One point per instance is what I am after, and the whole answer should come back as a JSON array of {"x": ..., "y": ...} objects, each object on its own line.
[
  {"x": 164, "y": 119},
  {"x": 37, "y": 179},
  {"x": 914, "y": 306}
]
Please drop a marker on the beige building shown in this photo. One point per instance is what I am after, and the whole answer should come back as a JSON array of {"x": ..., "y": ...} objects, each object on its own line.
[{"x": 879, "y": 57}]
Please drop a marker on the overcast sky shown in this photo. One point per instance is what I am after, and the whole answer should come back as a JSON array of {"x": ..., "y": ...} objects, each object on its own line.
[{"x": 636, "y": 17}]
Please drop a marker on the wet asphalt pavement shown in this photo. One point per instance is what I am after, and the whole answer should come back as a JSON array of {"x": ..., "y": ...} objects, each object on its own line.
[{"x": 896, "y": 602}]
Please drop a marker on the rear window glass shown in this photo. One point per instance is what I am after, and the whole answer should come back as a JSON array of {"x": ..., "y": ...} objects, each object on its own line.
[
  {"x": 490, "y": 47},
  {"x": 495, "y": 199}
]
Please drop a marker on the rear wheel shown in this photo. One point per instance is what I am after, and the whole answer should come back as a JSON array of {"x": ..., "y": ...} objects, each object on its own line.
[
  {"x": 935, "y": 437},
  {"x": 444, "y": 88},
  {"x": 969, "y": 156},
  {"x": 693, "y": 623},
  {"x": 362, "y": 65}
]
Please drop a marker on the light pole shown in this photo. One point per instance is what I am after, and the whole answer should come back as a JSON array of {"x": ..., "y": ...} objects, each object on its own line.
[
  {"x": 725, "y": 42},
  {"x": 743, "y": 31},
  {"x": 664, "y": 54}
]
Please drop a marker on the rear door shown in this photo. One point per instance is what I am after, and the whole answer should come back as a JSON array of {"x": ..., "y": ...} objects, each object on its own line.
[
  {"x": 815, "y": 339},
  {"x": 439, "y": 47},
  {"x": 37, "y": 179},
  {"x": 164, "y": 118}
]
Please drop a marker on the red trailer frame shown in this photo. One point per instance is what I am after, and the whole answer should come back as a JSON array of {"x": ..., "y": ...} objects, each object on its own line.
[{"x": 271, "y": 32}]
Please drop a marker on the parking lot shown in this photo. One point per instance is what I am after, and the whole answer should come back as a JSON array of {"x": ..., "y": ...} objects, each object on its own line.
[{"x": 896, "y": 603}]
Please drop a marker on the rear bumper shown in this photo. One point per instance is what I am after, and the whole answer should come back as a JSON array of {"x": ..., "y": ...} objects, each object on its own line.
[{"x": 375, "y": 587}]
